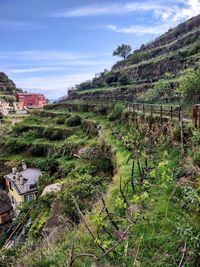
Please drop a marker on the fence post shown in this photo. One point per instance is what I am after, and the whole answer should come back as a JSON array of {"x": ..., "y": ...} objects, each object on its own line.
[
  {"x": 198, "y": 114},
  {"x": 179, "y": 113},
  {"x": 151, "y": 110},
  {"x": 143, "y": 109},
  {"x": 194, "y": 116},
  {"x": 181, "y": 131},
  {"x": 171, "y": 113},
  {"x": 161, "y": 113}
]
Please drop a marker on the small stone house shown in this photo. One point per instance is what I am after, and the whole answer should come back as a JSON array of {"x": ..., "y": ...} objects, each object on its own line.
[{"x": 22, "y": 185}]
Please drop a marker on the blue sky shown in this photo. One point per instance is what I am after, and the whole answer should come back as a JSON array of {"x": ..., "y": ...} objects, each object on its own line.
[{"x": 49, "y": 45}]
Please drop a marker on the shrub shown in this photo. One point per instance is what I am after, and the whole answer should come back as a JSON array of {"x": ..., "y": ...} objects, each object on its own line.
[
  {"x": 161, "y": 91},
  {"x": 124, "y": 80},
  {"x": 13, "y": 146},
  {"x": 111, "y": 79},
  {"x": 60, "y": 121},
  {"x": 74, "y": 121},
  {"x": 57, "y": 135},
  {"x": 38, "y": 150},
  {"x": 117, "y": 112},
  {"x": 102, "y": 110},
  {"x": 190, "y": 85}
]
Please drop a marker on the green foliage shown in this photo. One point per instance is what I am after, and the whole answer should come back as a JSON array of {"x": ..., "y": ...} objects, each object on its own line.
[
  {"x": 112, "y": 78},
  {"x": 165, "y": 215},
  {"x": 13, "y": 146},
  {"x": 190, "y": 85},
  {"x": 85, "y": 188},
  {"x": 139, "y": 56},
  {"x": 74, "y": 121},
  {"x": 38, "y": 150},
  {"x": 60, "y": 121},
  {"x": 8, "y": 256},
  {"x": 124, "y": 80},
  {"x": 38, "y": 225},
  {"x": 122, "y": 51},
  {"x": 116, "y": 113},
  {"x": 54, "y": 134},
  {"x": 162, "y": 91}
]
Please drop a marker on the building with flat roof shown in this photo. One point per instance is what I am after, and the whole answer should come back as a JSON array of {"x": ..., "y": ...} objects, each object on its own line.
[
  {"x": 31, "y": 100},
  {"x": 22, "y": 185}
]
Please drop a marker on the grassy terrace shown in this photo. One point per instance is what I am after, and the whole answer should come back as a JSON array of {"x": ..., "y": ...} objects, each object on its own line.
[
  {"x": 150, "y": 53},
  {"x": 161, "y": 225}
]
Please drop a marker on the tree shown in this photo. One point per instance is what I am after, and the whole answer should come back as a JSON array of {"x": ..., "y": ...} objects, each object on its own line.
[
  {"x": 123, "y": 50},
  {"x": 190, "y": 85}
]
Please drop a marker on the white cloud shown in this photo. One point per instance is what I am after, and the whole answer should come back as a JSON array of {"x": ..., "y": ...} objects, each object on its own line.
[
  {"x": 35, "y": 55},
  {"x": 59, "y": 66},
  {"x": 166, "y": 16},
  {"x": 109, "y": 9},
  {"x": 52, "y": 72},
  {"x": 52, "y": 86},
  {"x": 136, "y": 29},
  {"x": 178, "y": 13},
  {"x": 38, "y": 69}
]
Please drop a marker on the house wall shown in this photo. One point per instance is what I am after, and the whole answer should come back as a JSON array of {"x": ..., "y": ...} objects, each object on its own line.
[
  {"x": 31, "y": 100},
  {"x": 19, "y": 199},
  {"x": 14, "y": 195}
]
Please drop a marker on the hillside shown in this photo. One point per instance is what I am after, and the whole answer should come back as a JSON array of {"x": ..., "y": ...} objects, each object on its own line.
[
  {"x": 127, "y": 175},
  {"x": 128, "y": 196},
  {"x": 7, "y": 88},
  {"x": 161, "y": 63}
]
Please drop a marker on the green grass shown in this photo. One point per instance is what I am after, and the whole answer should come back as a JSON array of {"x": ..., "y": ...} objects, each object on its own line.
[{"x": 156, "y": 238}]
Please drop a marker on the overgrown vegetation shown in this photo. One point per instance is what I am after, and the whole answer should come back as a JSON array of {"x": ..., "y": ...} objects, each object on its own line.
[
  {"x": 148, "y": 216},
  {"x": 190, "y": 85}
]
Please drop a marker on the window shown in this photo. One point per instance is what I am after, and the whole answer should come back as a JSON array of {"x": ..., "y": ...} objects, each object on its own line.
[
  {"x": 11, "y": 186},
  {"x": 28, "y": 198}
]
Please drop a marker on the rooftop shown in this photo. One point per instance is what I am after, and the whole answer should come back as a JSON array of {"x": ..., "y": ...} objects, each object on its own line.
[
  {"x": 25, "y": 181},
  {"x": 29, "y": 94}
]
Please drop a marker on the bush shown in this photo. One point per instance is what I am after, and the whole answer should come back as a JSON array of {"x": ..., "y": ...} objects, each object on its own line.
[
  {"x": 102, "y": 110},
  {"x": 190, "y": 85},
  {"x": 55, "y": 134},
  {"x": 111, "y": 79},
  {"x": 124, "y": 80},
  {"x": 74, "y": 121},
  {"x": 13, "y": 146},
  {"x": 38, "y": 150},
  {"x": 60, "y": 121},
  {"x": 117, "y": 112},
  {"x": 161, "y": 91}
]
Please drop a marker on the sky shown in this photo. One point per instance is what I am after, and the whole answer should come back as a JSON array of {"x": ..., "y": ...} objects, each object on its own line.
[{"x": 47, "y": 46}]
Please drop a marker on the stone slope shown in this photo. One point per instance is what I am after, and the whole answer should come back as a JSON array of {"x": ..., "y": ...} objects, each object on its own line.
[{"x": 168, "y": 57}]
